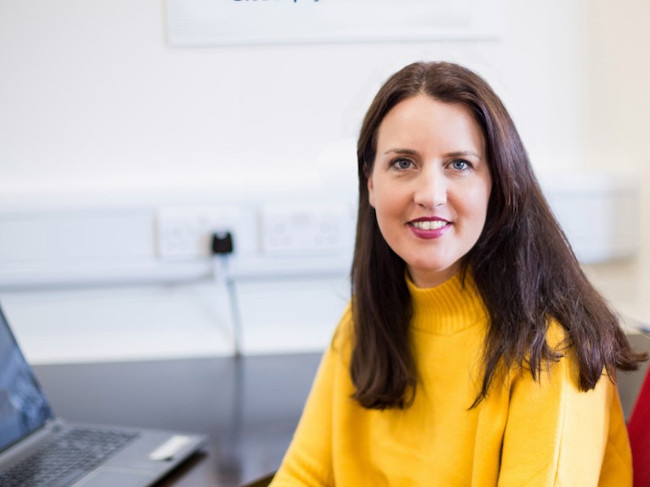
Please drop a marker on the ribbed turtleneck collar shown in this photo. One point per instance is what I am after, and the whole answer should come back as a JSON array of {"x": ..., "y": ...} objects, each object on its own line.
[{"x": 447, "y": 308}]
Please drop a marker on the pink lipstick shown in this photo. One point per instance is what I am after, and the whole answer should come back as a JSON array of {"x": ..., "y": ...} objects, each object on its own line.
[{"x": 429, "y": 227}]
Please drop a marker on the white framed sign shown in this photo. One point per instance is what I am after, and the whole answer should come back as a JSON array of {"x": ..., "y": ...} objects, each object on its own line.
[{"x": 250, "y": 22}]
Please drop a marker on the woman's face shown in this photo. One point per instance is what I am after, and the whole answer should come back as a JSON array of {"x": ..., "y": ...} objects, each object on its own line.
[{"x": 430, "y": 185}]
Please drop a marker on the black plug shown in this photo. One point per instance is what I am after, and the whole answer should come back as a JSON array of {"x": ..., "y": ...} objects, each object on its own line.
[{"x": 221, "y": 243}]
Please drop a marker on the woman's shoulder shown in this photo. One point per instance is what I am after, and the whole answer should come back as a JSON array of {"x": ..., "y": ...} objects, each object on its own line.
[
  {"x": 559, "y": 347},
  {"x": 557, "y": 336}
]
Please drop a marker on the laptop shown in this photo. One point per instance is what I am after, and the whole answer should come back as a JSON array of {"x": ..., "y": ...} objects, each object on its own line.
[{"x": 37, "y": 448}]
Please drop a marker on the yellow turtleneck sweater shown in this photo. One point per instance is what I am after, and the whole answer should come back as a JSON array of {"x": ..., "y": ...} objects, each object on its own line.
[{"x": 525, "y": 433}]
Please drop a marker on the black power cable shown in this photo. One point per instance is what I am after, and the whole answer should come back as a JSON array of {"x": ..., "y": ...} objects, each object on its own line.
[{"x": 222, "y": 247}]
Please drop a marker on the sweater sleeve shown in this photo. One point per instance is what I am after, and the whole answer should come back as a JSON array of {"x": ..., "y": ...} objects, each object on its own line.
[
  {"x": 559, "y": 435},
  {"x": 308, "y": 461}
]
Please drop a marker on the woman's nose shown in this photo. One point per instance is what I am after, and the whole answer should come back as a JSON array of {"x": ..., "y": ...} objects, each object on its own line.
[{"x": 431, "y": 189}]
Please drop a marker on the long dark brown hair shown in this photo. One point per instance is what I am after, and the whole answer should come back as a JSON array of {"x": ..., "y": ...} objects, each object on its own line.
[{"x": 523, "y": 266}]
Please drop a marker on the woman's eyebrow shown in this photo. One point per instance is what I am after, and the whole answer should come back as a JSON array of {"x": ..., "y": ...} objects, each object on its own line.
[
  {"x": 463, "y": 153},
  {"x": 398, "y": 150}
]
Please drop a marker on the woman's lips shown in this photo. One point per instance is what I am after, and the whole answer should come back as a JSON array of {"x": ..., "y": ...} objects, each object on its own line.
[{"x": 429, "y": 228}]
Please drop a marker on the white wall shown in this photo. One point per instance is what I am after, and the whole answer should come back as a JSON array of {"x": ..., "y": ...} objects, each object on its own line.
[
  {"x": 94, "y": 100},
  {"x": 95, "y": 108},
  {"x": 617, "y": 119}
]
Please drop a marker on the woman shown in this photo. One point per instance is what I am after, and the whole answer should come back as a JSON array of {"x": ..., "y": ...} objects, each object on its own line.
[{"x": 474, "y": 351}]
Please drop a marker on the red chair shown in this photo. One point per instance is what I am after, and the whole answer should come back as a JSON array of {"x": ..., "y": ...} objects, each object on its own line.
[{"x": 638, "y": 427}]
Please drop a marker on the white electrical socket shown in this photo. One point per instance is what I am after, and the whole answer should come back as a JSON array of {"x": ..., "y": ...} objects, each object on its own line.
[
  {"x": 304, "y": 228},
  {"x": 186, "y": 232}
]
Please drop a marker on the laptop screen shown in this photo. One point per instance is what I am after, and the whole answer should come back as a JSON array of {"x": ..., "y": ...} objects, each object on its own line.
[{"x": 23, "y": 408}]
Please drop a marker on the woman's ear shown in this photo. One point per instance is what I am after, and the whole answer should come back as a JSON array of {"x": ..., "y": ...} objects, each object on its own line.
[{"x": 371, "y": 192}]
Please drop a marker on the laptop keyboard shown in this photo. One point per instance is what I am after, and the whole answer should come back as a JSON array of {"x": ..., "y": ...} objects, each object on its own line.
[{"x": 66, "y": 458}]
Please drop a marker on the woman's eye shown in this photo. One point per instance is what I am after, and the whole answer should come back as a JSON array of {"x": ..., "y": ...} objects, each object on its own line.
[
  {"x": 460, "y": 165},
  {"x": 402, "y": 164}
]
